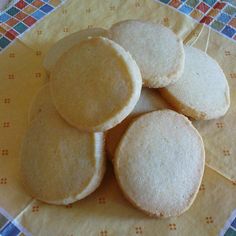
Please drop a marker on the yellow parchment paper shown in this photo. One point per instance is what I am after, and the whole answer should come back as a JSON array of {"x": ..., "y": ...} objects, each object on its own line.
[{"x": 106, "y": 212}]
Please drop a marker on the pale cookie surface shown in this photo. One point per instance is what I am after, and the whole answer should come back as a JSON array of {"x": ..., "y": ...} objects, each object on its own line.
[
  {"x": 150, "y": 100},
  {"x": 156, "y": 49},
  {"x": 202, "y": 92},
  {"x": 159, "y": 163},
  {"x": 95, "y": 85},
  {"x": 59, "y": 163},
  {"x": 63, "y": 45}
]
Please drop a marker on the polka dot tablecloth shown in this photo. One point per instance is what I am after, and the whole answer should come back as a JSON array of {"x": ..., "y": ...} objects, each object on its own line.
[{"x": 106, "y": 212}]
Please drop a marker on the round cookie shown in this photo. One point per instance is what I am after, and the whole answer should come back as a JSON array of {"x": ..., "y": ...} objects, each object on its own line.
[
  {"x": 159, "y": 163},
  {"x": 149, "y": 100},
  {"x": 156, "y": 49},
  {"x": 95, "y": 85},
  {"x": 63, "y": 45},
  {"x": 202, "y": 92},
  {"x": 59, "y": 163}
]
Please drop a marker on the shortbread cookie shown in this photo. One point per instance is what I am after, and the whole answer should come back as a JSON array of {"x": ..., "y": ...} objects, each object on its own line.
[
  {"x": 60, "y": 164},
  {"x": 63, "y": 45},
  {"x": 159, "y": 163},
  {"x": 156, "y": 49},
  {"x": 95, "y": 85},
  {"x": 202, "y": 92},
  {"x": 42, "y": 102},
  {"x": 150, "y": 100}
]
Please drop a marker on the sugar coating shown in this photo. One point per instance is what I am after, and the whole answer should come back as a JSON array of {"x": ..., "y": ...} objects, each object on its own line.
[
  {"x": 95, "y": 85},
  {"x": 156, "y": 49},
  {"x": 59, "y": 163},
  {"x": 202, "y": 92},
  {"x": 159, "y": 163}
]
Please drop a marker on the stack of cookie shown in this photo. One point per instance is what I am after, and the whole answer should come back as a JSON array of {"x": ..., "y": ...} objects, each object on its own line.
[{"x": 128, "y": 90}]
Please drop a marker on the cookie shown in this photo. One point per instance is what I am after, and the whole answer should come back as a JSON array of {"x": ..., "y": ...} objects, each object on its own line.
[
  {"x": 63, "y": 45},
  {"x": 59, "y": 163},
  {"x": 202, "y": 92},
  {"x": 159, "y": 163},
  {"x": 150, "y": 100},
  {"x": 156, "y": 49},
  {"x": 95, "y": 85}
]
